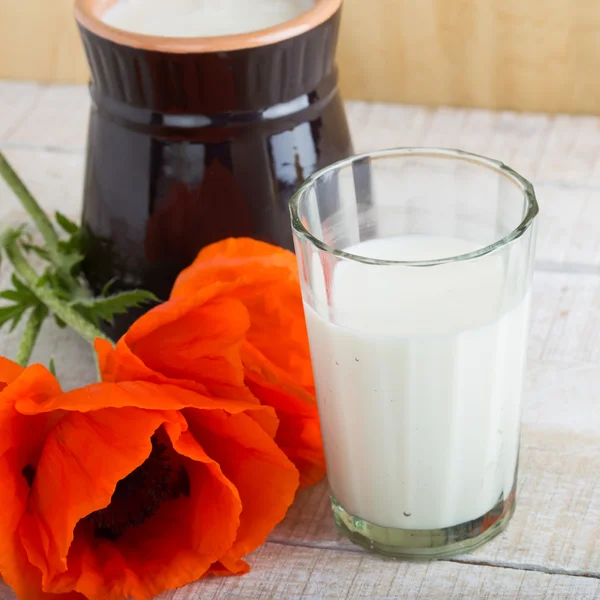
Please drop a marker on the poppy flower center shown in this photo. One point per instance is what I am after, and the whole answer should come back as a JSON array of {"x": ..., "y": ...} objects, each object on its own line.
[
  {"x": 139, "y": 495},
  {"x": 29, "y": 473}
]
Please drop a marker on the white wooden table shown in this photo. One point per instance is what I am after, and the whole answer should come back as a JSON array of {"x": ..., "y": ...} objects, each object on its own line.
[{"x": 552, "y": 548}]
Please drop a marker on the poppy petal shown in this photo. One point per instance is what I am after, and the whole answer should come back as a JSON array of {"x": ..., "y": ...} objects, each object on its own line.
[
  {"x": 265, "y": 278},
  {"x": 15, "y": 568},
  {"x": 298, "y": 435},
  {"x": 265, "y": 479},
  {"x": 21, "y": 442},
  {"x": 9, "y": 371},
  {"x": 299, "y": 432},
  {"x": 121, "y": 364},
  {"x": 21, "y": 433},
  {"x": 84, "y": 458},
  {"x": 173, "y": 548},
  {"x": 277, "y": 368},
  {"x": 228, "y": 259},
  {"x": 143, "y": 395},
  {"x": 197, "y": 337}
]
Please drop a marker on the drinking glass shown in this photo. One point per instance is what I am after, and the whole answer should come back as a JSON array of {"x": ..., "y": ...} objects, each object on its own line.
[{"x": 416, "y": 268}]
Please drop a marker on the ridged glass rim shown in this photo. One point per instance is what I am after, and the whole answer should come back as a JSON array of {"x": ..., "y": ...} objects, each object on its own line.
[{"x": 482, "y": 161}]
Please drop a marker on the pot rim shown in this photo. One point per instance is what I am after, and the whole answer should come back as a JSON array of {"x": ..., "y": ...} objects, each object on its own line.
[{"x": 88, "y": 14}]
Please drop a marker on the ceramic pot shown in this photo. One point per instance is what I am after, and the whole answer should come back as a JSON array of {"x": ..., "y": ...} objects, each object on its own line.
[{"x": 193, "y": 140}]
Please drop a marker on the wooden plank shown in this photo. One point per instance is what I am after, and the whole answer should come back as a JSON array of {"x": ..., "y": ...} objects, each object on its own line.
[
  {"x": 498, "y": 54},
  {"x": 296, "y": 573},
  {"x": 308, "y": 574},
  {"x": 554, "y": 529},
  {"x": 38, "y": 116},
  {"x": 16, "y": 103},
  {"x": 525, "y": 56},
  {"x": 566, "y": 319},
  {"x": 561, "y": 150},
  {"x": 560, "y": 155},
  {"x": 42, "y": 41},
  {"x": 55, "y": 179},
  {"x": 567, "y": 236},
  {"x": 57, "y": 119}
]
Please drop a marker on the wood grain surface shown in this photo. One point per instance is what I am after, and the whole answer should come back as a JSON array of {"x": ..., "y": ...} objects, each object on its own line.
[
  {"x": 551, "y": 550},
  {"x": 510, "y": 54},
  {"x": 39, "y": 40},
  {"x": 537, "y": 56}
]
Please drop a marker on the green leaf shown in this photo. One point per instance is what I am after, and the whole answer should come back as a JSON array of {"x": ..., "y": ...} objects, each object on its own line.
[
  {"x": 70, "y": 256},
  {"x": 41, "y": 252},
  {"x": 61, "y": 324},
  {"x": 52, "y": 367},
  {"x": 70, "y": 261},
  {"x": 10, "y": 235},
  {"x": 20, "y": 295},
  {"x": 71, "y": 245},
  {"x": 13, "y": 296},
  {"x": 53, "y": 280},
  {"x": 18, "y": 284},
  {"x": 21, "y": 298},
  {"x": 107, "y": 287},
  {"x": 8, "y": 312},
  {"x": 17, "y": 318},
  {"x": 107, "y": 308},
  {"x": 66, "y": 224},
  {"x": 86, "y": 313},
  {"x": 12, "y": 314}
]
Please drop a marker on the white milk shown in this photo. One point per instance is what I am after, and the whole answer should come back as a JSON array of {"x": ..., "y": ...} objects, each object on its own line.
[
  {"x": 202, "y": 18},
  {"x": 419, "y": 384}
]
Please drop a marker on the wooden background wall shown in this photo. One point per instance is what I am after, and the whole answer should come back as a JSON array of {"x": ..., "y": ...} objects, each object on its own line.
[{"x": 541, "y": 55}]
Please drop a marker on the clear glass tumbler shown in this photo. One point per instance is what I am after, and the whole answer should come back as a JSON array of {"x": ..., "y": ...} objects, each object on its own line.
[{"x": 416, "y": 268}]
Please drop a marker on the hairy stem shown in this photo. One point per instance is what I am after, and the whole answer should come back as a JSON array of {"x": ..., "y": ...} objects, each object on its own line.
[
  {"x": 41, "y": 221},
  {"x": 29, "y": 203}
]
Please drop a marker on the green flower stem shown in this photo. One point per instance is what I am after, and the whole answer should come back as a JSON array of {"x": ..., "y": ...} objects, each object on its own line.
[
  {"x": 42, "y": 222},
  {"x": 32, "y": 330},
  {"x": 29, "y": 203},
  {"x": 47, "y": 297}
]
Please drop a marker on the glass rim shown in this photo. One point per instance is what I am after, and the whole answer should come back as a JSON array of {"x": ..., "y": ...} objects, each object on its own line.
[{"x": 432, "y": 152}]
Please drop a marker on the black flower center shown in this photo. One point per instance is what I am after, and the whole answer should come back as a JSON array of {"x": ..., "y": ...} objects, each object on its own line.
[
  {"x": 28, "y": 472},
  {"x": 142, "y": 492}
]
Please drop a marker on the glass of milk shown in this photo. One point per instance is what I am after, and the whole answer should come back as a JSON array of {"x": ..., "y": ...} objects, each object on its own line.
[{"x": 416, "y": 269}]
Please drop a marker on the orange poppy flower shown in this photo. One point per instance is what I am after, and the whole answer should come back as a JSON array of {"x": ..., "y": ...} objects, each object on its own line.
[
  {"x": 128, "y": 489},
  {"x": 249, "y": 290},
  {"x": 275, "y": 352}
]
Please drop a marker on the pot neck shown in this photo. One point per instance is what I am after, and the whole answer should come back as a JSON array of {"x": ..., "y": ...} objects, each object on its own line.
[{"x": 210, "y": 83}]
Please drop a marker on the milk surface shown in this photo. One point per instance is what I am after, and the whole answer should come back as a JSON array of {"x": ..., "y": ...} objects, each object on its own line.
[
  {"x": 419, "y": 376},
  {"x": 202, "y": 18}
]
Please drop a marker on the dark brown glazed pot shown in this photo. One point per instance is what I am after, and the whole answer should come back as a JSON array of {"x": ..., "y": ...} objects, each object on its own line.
[{"x": 193, "y": 140}]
